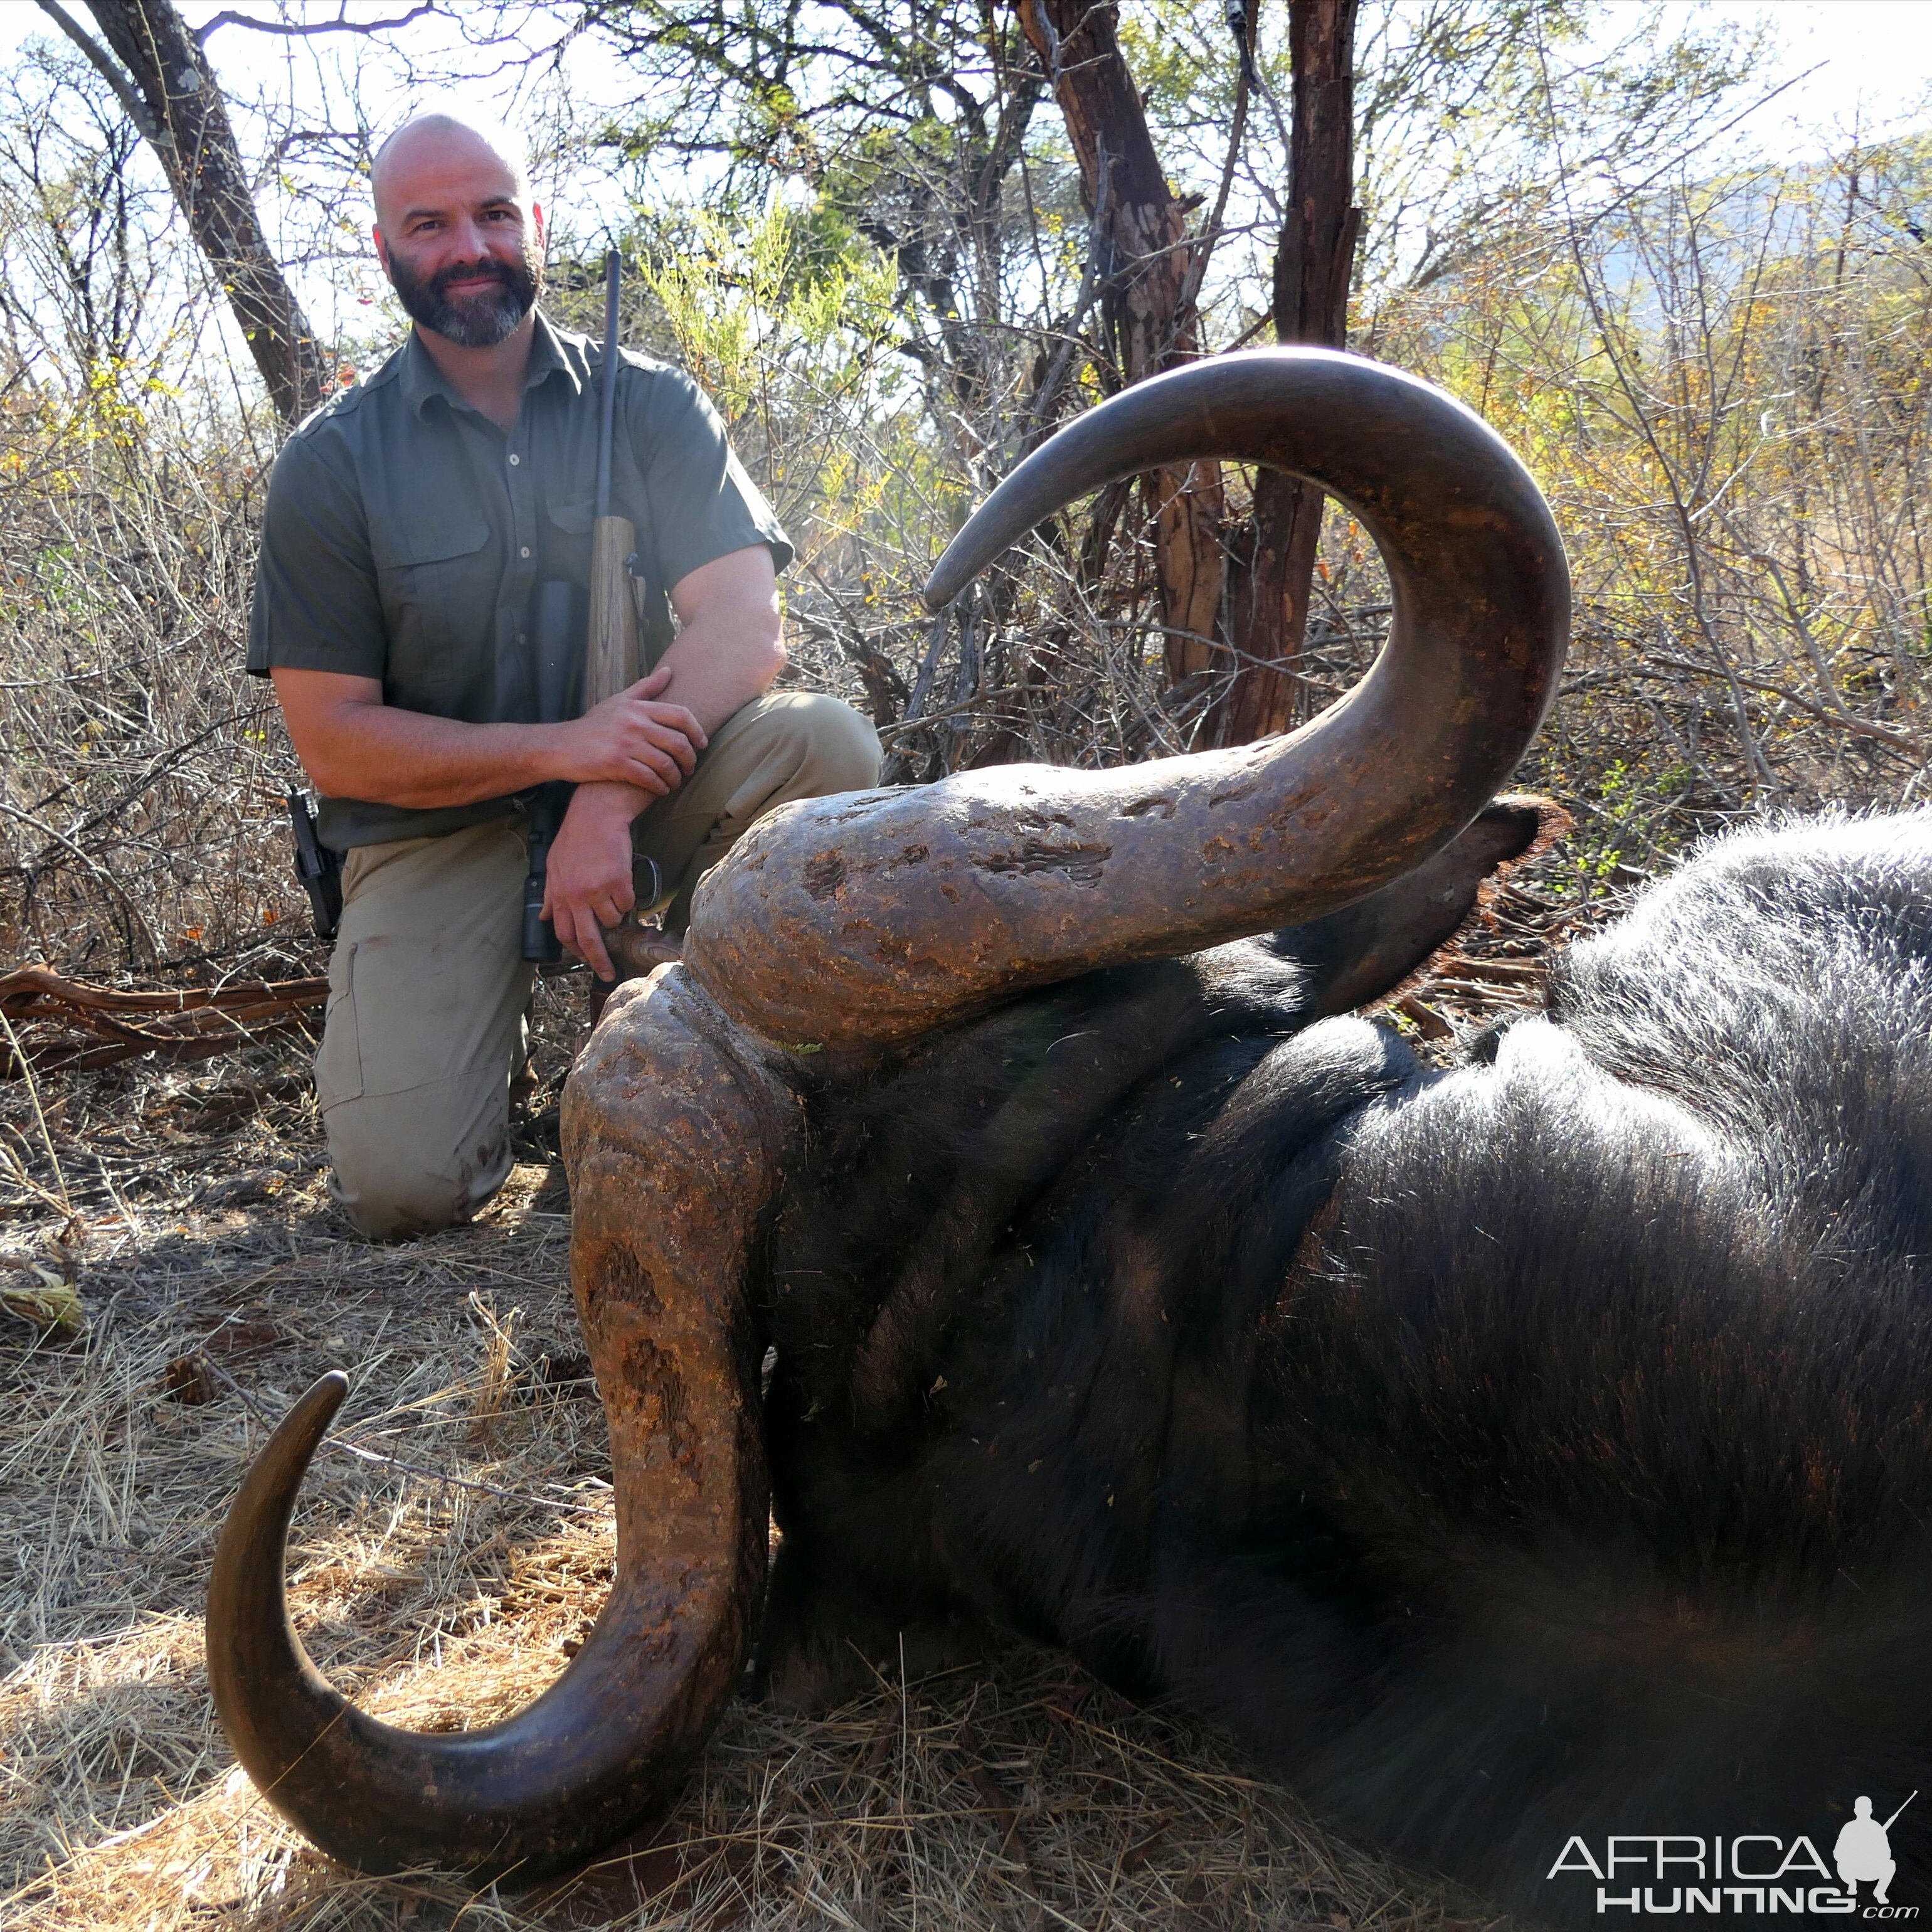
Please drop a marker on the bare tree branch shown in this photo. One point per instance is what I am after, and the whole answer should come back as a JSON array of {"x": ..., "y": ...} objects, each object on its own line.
[
  {"x": 294, "y": 29},
  {"x": 103, "y": 64},
  {"x": 184, "y": 117}
]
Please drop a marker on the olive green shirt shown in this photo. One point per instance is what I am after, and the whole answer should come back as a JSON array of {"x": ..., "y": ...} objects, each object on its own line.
[{"x": 405, "y": 536}]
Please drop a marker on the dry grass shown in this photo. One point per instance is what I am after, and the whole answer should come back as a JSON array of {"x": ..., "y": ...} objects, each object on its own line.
[{"x": 217, "y": 1281}]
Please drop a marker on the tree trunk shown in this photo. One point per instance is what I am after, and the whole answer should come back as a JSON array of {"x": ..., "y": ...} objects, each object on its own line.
[
  {"x": 1313, "y": 262},
  {"x": 1151, "y": 320},
  {"x": 185, "y": 120}
]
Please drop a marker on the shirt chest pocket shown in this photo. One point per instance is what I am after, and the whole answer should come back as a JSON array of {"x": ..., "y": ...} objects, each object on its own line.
[
  {"x": 567, "y": 538},
  {"x": 438, "y": 579},
  {"x": 573, "y": 516}
]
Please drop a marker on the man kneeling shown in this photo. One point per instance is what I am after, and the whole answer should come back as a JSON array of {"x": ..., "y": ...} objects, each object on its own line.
[{"x": 410, "y": 523}]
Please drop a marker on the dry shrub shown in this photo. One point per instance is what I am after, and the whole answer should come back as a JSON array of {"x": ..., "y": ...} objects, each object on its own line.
[
  {"x": 141, "y": 795},
  {"x": 1720, "y": 384}
]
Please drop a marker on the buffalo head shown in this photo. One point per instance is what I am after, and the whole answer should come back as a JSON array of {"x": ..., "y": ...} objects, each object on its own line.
[{"x": 865, "y": 929}]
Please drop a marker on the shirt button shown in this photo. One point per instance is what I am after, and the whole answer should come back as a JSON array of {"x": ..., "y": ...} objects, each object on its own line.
[
  {"x": 525, "y": 551},
  {"x": 515, "y": 460}
]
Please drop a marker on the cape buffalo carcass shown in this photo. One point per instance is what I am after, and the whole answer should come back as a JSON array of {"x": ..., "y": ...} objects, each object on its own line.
[{"x": 1513, "y": 1454}]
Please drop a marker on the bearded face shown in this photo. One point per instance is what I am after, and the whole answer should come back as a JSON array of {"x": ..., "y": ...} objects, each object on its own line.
[{"x": 475, "y": 318}]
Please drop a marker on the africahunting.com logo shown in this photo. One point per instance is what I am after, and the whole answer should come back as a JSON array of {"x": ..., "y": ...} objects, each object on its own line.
[{"x": 1667, "y": 1874}]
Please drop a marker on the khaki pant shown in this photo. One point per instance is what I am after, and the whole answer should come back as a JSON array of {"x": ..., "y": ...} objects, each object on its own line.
[{"x": 428, "y": 986}]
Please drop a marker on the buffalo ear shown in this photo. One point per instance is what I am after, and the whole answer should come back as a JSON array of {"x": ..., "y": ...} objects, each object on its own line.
[{"x": 1362, "y": 953}]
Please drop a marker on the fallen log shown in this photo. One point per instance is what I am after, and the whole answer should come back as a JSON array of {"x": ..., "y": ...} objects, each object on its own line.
[{"x": 55, "y": 1025}]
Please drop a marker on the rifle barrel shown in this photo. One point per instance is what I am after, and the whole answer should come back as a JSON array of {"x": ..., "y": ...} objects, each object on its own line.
[
  {"x": 1894, "y": 1819},
  {"x": 607, "y": 398}
]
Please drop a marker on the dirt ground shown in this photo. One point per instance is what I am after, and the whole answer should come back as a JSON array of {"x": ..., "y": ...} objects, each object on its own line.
[{"x": 453, "y": 1544}]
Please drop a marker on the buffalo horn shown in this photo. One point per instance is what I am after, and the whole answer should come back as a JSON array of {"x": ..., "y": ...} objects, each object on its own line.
[
  {"x": 675, "y": 1142},
  {"x": 875, "y": 917}
]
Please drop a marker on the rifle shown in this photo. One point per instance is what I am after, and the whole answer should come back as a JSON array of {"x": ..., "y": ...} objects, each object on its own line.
[
  {"x": 610, "y": 663},
  {"x": 318, "y": 866}
]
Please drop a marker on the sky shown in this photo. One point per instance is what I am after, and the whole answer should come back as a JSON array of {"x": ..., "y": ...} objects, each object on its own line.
[
  {"x": 1866, "y": 63},
  {"x": 1862, "y": 65}
]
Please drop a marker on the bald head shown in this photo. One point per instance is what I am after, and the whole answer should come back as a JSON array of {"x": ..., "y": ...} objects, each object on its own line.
[
  {"x": 456, "y": 229},
  {"x": 439, "y": 138}
]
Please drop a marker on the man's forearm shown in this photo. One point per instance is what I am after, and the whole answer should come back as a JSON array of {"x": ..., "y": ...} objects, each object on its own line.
[
  {"x": 722, "y": 659},
  {"x": 730, "y": 645},
  {"x": 394, "y": 757},
  {"x": 716, "y": 671},
  {"x": 354, "y": 746},
  {"x": 638, "y": 745}
]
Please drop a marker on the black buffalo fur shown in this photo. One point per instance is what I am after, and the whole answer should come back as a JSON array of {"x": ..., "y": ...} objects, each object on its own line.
[{"x": 1536, "y": 1447}]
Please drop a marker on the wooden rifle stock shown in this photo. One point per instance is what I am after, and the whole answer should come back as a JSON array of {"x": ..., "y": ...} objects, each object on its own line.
[{"x": 611, "y": 662}]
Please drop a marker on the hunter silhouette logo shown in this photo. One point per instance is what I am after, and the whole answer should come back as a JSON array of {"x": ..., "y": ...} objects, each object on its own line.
[
  {"x": 1863, "y": 1853},
  {"x": 1756, "y": 1872}
]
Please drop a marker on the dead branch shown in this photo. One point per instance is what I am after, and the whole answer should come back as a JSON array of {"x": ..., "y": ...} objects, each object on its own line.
[{"x": 67, "y": 1016}]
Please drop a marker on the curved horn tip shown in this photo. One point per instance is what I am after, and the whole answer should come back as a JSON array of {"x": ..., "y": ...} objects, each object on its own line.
[
  {"x": 280, "y": 1466},
  {"x": 316, "y": 1409}
]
